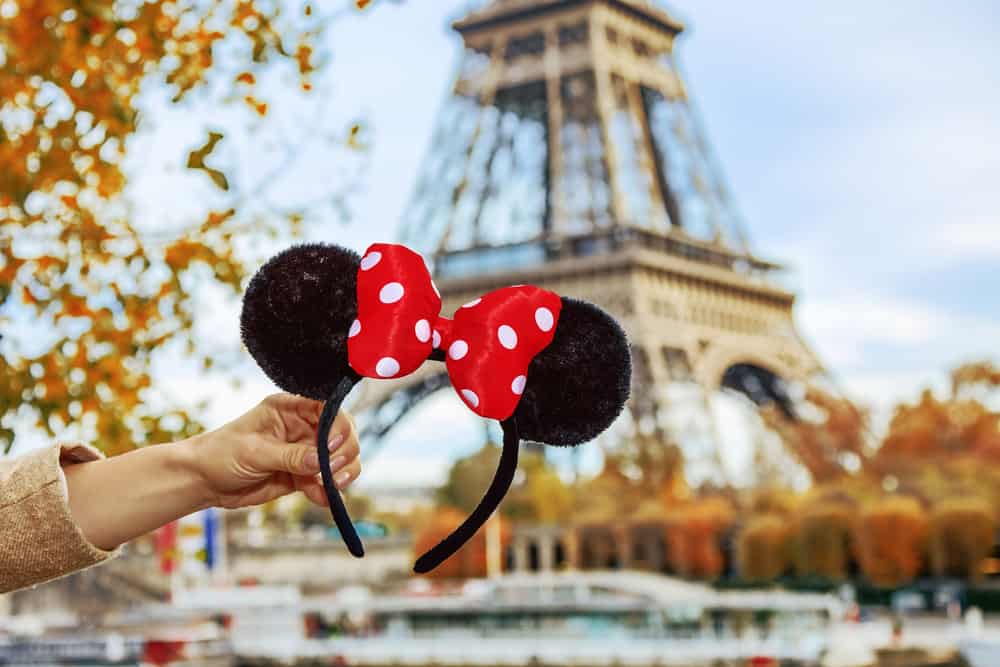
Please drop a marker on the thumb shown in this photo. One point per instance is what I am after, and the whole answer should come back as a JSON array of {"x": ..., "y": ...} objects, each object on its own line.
[{"x": 297, "y": 459}]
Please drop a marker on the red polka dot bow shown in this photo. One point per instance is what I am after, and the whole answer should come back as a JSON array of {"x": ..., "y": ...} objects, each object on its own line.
[{"x": 488, "y": 345}]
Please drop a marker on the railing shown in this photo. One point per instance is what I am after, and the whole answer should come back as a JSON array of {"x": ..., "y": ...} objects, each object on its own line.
[
  {"x": 547, "y": 651},
  {"x": 485, "y": 260}
]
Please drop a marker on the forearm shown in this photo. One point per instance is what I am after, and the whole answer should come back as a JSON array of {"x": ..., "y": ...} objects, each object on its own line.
[{"x": 118, "y": 499}]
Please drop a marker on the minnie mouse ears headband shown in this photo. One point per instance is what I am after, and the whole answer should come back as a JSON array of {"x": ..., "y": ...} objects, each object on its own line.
[{"x": 317, "y": 318}]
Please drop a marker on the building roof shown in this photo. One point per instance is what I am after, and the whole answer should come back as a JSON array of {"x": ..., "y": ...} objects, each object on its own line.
[{"x": 504, "y": 11}]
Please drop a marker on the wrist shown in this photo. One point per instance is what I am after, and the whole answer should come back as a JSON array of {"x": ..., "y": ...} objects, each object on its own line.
[{"x": 186, "y": 459}]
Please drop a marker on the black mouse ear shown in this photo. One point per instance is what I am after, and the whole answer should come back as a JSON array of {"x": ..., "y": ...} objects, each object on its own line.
[
  {"x": 578, "y": 385},
  {"x": 297, "y": 311}
]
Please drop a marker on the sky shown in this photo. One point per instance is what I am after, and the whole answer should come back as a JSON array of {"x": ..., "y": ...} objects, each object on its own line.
[{"x": 860, "y": 139}]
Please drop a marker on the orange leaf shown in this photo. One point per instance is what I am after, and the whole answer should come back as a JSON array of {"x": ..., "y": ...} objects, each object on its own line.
[{"x": 27, "y": 296}]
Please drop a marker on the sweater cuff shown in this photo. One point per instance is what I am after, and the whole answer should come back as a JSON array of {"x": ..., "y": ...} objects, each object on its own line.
[
  {"x": 71, "y": 454},
  {"x": 39, "y": 538}
]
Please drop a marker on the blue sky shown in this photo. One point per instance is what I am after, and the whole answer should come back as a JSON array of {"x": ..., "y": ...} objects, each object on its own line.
[{"x": 861, "y": 141}]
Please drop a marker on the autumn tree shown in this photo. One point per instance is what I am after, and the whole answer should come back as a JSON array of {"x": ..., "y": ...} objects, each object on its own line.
[
  {"x": 823, "y": 539},
  {"x": 468, "y": 562},
  {"x": 776, "y": 501},
  {"x": 936, "y": 429},
  {"x": 764, "y": 547},
  {"x": 962, "y": 534},
  {"x": 829, "y": 437},
  {"x": 537, "y": 495},
  {"x": 88, "y": 295},
  {"x": 892, "y": 540},
  {"x": 694, "y": 537},
  {"x": 979, "y": 379},
  {"x": 654, "y": 465},
  {"x": 468, "y": 478}
]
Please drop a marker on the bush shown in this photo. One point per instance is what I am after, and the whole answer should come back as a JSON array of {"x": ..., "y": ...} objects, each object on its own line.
[
  {"x": 892, "y": 540},
  {"x": 469, "y": 561},
  {"x": 694, "y": 536},
  {"x": 962, "y": 532},
  {"x": 823, "y": 544},
  {"x": 764, "y": 548}
]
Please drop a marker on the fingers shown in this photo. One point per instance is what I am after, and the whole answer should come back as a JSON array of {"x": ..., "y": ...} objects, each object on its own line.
[
  {"x": 270, "y": 456},
  {"x": 298, "y": 415},
  {"x": 345, "y": 460},
  {"x": 343, "y": 426},
  {"x": 346, "y": 476},
  {"x": 312, "y": 488},
  {"x": 343, "y": 451},
  {"x": 306, "y": 408}
]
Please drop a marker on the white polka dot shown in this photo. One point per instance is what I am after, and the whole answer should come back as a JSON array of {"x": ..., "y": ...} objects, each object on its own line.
[
  {"x": 370, "y": 260},
  {"x": 391, "y": 293},
  {"x": 387, "y": 367},
  {"x": 437, "y": 340},
  {"x": 470, "y": 397},
  {"x": 423, "y": 331},
  {"x": 355, "y": 329},
  {"x": 544, "y": 319},
  {"x": 508, "y": 337},
  {"x": 517, "y": 386},
  {"x": 458, "y": 349},
  {"x": 474, "y": 302}
]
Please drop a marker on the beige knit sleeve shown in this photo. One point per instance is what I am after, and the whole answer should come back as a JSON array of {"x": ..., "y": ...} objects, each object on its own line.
[{"x": 39, "y": 540}]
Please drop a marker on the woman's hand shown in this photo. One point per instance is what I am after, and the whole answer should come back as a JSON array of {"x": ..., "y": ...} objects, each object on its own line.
[
  {"x": 271, "y": 451},
  {"x": 267, "y": 453}
]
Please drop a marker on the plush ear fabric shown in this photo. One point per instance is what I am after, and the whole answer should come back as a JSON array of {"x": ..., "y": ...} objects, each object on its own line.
[
  {"x": 578, "y": 385},
  {"x": 297, "y": 311}
]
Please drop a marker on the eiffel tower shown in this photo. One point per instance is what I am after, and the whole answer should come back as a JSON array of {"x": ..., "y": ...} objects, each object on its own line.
[{"x": 569, "y": 156}]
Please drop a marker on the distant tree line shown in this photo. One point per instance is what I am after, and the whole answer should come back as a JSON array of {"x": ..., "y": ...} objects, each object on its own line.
[{"x": 921, "y": 501}]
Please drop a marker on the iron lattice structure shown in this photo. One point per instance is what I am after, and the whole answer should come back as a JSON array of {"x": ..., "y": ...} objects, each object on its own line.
[{"x": 569, "y": 156}]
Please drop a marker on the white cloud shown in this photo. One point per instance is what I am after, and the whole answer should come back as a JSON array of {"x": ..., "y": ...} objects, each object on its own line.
[
  {"x": 870, "y": 320},
  {"x": 852, "y": 336},
  {"x": 968, "y": 240},
  {"x": 404, "y": 471}
]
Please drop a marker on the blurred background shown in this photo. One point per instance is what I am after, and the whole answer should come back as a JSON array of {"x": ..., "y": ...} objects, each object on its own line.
[{"x": 791, "y": 208}]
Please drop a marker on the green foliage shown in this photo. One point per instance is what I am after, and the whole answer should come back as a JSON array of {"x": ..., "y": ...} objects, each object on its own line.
[
  {"x": 468, "y": 479},
  {"x": 538, "y": 495}
]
